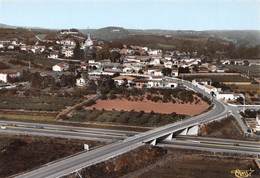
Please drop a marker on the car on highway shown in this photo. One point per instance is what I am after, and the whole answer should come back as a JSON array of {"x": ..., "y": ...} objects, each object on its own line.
[
  {"x": 39, "y": 127},
  {"x": 3, "y": 127}
]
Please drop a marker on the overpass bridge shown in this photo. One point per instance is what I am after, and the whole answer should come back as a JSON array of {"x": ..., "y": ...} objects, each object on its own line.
[{"x": 78, "y": 162}]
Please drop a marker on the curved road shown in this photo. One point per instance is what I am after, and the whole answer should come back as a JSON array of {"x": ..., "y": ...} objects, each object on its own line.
[
  {"x": 75, "y": 163},
  {"x": 72, "y": 164}
]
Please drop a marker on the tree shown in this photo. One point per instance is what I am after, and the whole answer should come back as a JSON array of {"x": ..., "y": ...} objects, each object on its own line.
[
  {"x": 140, "y": 71},
  {"x": 107, "y": 85},
  {"x": 102, "y": 54},
  {"x": 115, "y": 56},
  {"x": 246, "y": 63},
  {"x": 67, "y": 80},
  {"x": 167, "y": 71},
  {"x": 183, "y": 70},
  {"x": 77, "y": 52},
  {"x": 92, "y": 85}
]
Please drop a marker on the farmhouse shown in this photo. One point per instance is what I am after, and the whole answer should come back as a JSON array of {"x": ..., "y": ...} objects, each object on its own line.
[
  {"x": 160, "y": 82},
  {"x": 155, "y": 71},
  {"x": 228, "y": 96},
  {"x": 81, "y": 82},
  {"x": 7, "y": 76},
  {"x": 53, "y": 55},
  {"x": 60, "y": 67},
  {"x": 207, "y": 88},
  {"x": 140, "y": 82},
  {"x": 120, "y": 80}
]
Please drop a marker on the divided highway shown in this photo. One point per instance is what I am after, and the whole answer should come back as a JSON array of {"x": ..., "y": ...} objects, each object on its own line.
[
  {"x": 77, "y": 162},
  {"x": 73, "y": 164},
  {"x": 213, "y": 145},
  {"x": 61, "y": 131}
]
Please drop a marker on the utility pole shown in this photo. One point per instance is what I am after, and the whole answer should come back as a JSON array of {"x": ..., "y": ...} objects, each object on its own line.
[
  {"x": 244, "y": 103},
  {"x": 29, "y": 65}
]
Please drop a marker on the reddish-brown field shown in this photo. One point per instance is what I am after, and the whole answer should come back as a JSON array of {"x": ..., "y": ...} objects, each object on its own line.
[{"x": 190, "y": 109}]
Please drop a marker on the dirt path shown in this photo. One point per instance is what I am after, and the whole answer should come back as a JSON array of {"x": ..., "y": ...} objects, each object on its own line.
[{"x": 69, "y": 109}]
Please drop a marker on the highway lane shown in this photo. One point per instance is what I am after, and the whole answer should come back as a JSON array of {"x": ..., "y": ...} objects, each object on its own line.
[
  {"x": 212, "y": 146},
  {"x": 57, "y": 127},
  {"x": 94, "y": 136},
  {"x": 224, "y": 141},
  {"x": 73, "y": 164}
]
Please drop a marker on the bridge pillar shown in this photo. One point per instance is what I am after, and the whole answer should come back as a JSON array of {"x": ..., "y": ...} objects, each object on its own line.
[
  {"x": 193, "y": 130},
  {"x": 153, "y": 142},
  {"x": 169, "y": 137},
  {"x": 184, "y": 132}
]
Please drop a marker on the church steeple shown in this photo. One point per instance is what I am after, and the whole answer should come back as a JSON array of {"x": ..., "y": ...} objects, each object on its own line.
[{"x": 88, "y": 43}]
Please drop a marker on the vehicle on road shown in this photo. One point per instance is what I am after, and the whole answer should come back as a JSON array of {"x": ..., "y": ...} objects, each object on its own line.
[{"x": 3, "y": 127}]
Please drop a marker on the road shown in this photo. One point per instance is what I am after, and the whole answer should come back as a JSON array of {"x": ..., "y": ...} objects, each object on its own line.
[
  {"x": 233, "y": 109},
  {"x": 66, "y": 111},
  {"x": 61, "y": 131},
  {"x": 75, "y": 163},
  {"x": 236, "y": 114},
  {"x": 220, "y": 140},
  {"x": 72, "y": 164},
  {"x": 214, "y": 145}
]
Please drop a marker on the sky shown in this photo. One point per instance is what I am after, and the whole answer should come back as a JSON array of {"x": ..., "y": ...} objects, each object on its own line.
[{"x": 139, "y": 14}]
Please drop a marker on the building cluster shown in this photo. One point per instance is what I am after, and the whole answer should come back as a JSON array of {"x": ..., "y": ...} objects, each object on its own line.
[
  {"x": 216, "y": 92},
  {"x": 61, "y": 47},
  {"x": 135, "y": 66}
]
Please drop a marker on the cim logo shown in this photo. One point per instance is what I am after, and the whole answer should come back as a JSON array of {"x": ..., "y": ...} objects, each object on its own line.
[{"x": 242, "y": 173}]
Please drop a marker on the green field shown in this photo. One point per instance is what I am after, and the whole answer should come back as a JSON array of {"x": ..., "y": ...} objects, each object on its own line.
[
  {"x": 42, "y": 103},
  {"x": 131, "y": 118}
]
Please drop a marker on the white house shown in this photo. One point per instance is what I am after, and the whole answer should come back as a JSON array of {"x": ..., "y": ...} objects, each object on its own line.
[
  {"x": 68, "y": 53},
  {"x": 168, "y": 64},
  {"x": 93, "y": 63},
  {"x": 155, "y": 61},
  {"x": 207, "y": 88},
  {"x": 53, "y": 55},
  {"x": 160, "y": 82},
  {"x": 226, "y": 62},
  {"x": 155, "y": 72},
  {"x": 67, "y": 42},
  {"x": 5, "y": 76},
  {"x": 228, "y": 96},
  {"x": 131, "y": 59},
  {"x": 128, "y": 70},
  {"x": 81, "y": 82},
  {"x": 155, "y": 52},
  {"x": 121, "y": 79},
  {"x": 175, "y": 72},
  {"x": 10, "y": 47},
  {"x": 60, "y": 67}
]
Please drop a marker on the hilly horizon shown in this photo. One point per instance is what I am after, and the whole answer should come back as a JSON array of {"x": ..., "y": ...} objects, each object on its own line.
[{"x": 238, "y": 37}]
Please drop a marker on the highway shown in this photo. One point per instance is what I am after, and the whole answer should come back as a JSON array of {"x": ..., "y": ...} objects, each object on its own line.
[
  {"x": 219, "y": 140},
  {"x": 77, "y": 162},
  {"x": 61, "y": 131},
  {"x": 213, "y": 145},
  {"x": 72, "y": 164}
]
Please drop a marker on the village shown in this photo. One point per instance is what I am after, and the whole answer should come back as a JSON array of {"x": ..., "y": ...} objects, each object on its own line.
[
  {"x": 71, "y": 60},
  {"x": 129, "y": 89}
]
